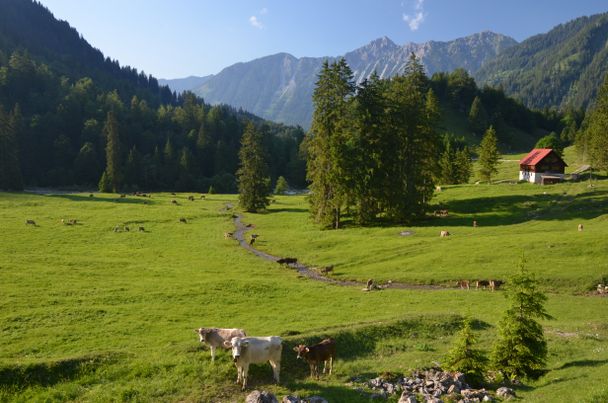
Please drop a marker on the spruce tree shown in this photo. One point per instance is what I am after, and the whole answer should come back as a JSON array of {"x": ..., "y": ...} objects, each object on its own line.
[
  {"x": 281, "y": 186},
  {"x": 10, "y": 168},
  {"x": 596, "y": 134},
  {"x": 328, "y": 146},
  {"x": 463, "y": 357},
  {"x": 521, "y": 347},
  {"x": 488, "y": 155},
  {"x": 478, "y": 117},
  {"x": 464, "y": 165},
  {"x": 113, "y": 171},
  {"x": 252, "y": 174}
]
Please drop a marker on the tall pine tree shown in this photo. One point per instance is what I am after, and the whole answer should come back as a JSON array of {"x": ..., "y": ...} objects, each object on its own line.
[
  {"x": 113, "y": 172},
  {"x": 488, "y": 155},
  {"x": 596, "y": 134},
  {"x": 254, "y": 182},
  {"x": 328, "y": 151},
  {"x": 10, "y": 169}
]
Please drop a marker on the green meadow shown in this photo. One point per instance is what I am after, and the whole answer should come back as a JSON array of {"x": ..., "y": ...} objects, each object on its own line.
[{"x": 89, "y": 314}]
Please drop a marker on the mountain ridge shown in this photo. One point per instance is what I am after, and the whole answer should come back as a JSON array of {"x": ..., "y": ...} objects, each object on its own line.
[{"x": 274, "y": 86}]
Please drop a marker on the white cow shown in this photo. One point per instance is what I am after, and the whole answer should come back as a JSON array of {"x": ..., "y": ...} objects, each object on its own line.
[
  {"x": 255, "y": 350},
  {"x": 215, "y": 337}
]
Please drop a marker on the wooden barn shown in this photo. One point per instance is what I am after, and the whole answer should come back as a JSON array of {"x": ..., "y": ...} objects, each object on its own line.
[{"x": 542, "y": 165}]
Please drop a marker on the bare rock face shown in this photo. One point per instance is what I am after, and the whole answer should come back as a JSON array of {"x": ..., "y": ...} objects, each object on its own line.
[
  {"x": 291, "y": 399},
  {"x": 407, "y": 398},
  {"x": 315, "y": 399},
  {"x": 261, "y": 397}
]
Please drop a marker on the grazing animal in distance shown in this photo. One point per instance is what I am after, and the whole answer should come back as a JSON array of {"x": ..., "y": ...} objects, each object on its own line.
[
  {"x": 173, "y": 201},
  {"x": 443, "y": 234},
  {"x": 228, "y": 235},
  {"x": 327, "y": 269},
  {"x": 474, "y": 224},
  {"x": 323, "y": 352},
  {"x": 482, "y": 284},
  {"x": 172, "y": 193},
  {"x": 117, "y": 228},
  {"x": 30, "y": 222},
  {"x": 183, "y": 220},
  {"x": 215, "y": 337},
  {"x": 126, "y": 228},
  {"x": 191, "y": 198},
  {"x": 91, "y": 195},
  {"x": 251, "y": 241},
  {"x": 202, "y": 197},
  {"x": 287, "y": 260},
  {"x": 64, "y": 222},
  {"x": 255, "y": 350},
  {"x": 142, "y": 229},
  {"x": 495, "y": 284},
  {"x": 464, "y": 284},
  {"x": 580, "y": 227}
]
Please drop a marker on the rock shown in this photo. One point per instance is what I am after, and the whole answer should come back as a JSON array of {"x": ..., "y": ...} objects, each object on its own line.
[
  {"x": 261, "y": 397},
  {"x": 291, "y": 399},
  {"x": 389, "y": 388},
  {"x": 505, "y": 393},
  {"x": 453, "y": 389},
  {"x": 407, "y": 398},
  {"x": 315, "y": 399},
  {"x": 487, "y": 398},
  {"x": 378, "y": 396}
]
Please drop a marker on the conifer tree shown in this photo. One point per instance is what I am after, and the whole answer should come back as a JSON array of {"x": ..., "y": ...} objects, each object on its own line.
[
  {"x": 253, "y": 178},
  {"x": 478, "y": 117},
  {"x": 113, "y": 171},
  {"x": 10, "y": 168},
  {"x": 464, "y": 165},
  {"x": 328, "y": 152},
  {"x": 521, "y": 347},
  {"x": 463, "y": 357},
  {"x": 281, "y": 186},
  {"x": 596, "y": 134},
  {"x": 104, "y": 185},
  {"x": 488, "y": 155}
]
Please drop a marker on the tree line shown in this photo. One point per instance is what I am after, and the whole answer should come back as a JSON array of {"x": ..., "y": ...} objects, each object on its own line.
[{"x": 59, "y": 132}]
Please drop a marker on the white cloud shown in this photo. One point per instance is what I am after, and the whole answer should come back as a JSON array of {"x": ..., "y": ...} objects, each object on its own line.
[
  {"x": 264, "y": 11},
  {"x": 414, "y": 21},
  {"x": 253, "y": 20}
]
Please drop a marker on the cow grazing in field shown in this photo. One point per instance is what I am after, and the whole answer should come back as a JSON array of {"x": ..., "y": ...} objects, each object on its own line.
[
  {"x": 323, "y": 352},
  {"x": 327, "y": 269},
  {"x": 126, "y": 228},
  {"x": 474, "y": 224},
  {"x": 122, "y": 196},
  {"x": 228, "y": 235},
  {"x": 580, "y": 227},
  {"x": 183, "y": 220},
  {"x": 117, "y": 228},
  {"x": 251, "y": 241},
  {"x": 287, "y": 260},
  {"x": 495, "y": 284},
  {"x": 64, "y": 222},
  {"x": 255, "y": 350},
  {"x": 91, "y": 195},
  {"x": 441, "y": 213},
  {"x": 215, "y": 337},
  {"x": 173, "y": 201},
  {"x": 482, "y": 284},
  {"x": 464, "y": 284},
  {"x": 30, "y": 222},
  {"x": 191, "y": 198},
  {"x": 443, "y": 234},
  {"x": 172, "y": 193},
  {"x": 202, "y": 197},
  {"x": 141, "y": 229}
]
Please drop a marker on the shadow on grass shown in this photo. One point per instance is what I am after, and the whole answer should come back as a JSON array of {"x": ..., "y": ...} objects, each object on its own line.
[
  {"x": 515, "y": 209},
  {"x": 53, "y": 372},
  {"x": 117, "y": 200},
  {"x": 583, "y": 363}
]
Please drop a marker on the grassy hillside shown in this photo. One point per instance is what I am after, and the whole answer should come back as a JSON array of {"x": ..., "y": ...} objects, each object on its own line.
[{"x": 89, "y": 314}]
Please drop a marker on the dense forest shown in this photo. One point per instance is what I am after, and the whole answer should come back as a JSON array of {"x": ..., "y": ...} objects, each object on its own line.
[
  {"x": 563, "y": 68},
  {"x": 57, "y": 94}
]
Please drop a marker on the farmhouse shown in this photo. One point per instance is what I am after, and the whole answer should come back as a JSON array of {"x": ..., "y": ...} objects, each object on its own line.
[{"x": 542, "y": 165}]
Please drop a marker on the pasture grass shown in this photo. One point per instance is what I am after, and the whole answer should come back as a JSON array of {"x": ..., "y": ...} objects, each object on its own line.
[{"x": 88, "y": 314}]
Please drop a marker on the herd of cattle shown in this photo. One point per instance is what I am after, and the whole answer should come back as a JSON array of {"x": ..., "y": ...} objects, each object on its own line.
[
  {"x": 483, "y": 284},
  {"x": 258, "y": 350}
]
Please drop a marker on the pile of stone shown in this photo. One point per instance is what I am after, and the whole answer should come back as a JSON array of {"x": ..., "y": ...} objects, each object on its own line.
[
  {"x": 432, "y": 385},
  {"x": 266, "y": 397}
]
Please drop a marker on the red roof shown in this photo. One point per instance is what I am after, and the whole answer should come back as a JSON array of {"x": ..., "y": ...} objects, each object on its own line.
[{"x": 535, "y": 156}]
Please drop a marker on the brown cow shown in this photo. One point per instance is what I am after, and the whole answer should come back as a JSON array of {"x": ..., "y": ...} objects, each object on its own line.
[
  {"x": 327, "y": 269},
  {"x": 324, "y": 352},
  {"x": 30, "y": 222},
  {"x": 464, "y": 284},
  {"x": 287, "y": 260},
  {"x": 495, "y": 284},
  {"x": 183, "y": 220},
  {"x": 174, "y": 201},
  {"x": 482, "y": 283}
]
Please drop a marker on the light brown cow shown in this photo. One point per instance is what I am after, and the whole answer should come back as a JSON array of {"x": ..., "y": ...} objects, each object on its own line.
[
  {"x": 464, "y": 284},
  {"x": 580, "y": 227},
  {"x": 495, "y": 284},
  {"x": 228, "y": 235},
  {"x": 444, "y": 234},
  {"x": 215, "y": 337}
]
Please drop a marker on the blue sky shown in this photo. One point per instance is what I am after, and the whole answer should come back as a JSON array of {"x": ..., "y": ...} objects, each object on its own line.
[{"x": 172, "y": 39}]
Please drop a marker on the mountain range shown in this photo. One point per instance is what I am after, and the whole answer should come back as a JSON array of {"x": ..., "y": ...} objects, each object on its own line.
[
  {"x": 561, "y": 68},
  {"x": 279, "y": 87}
]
